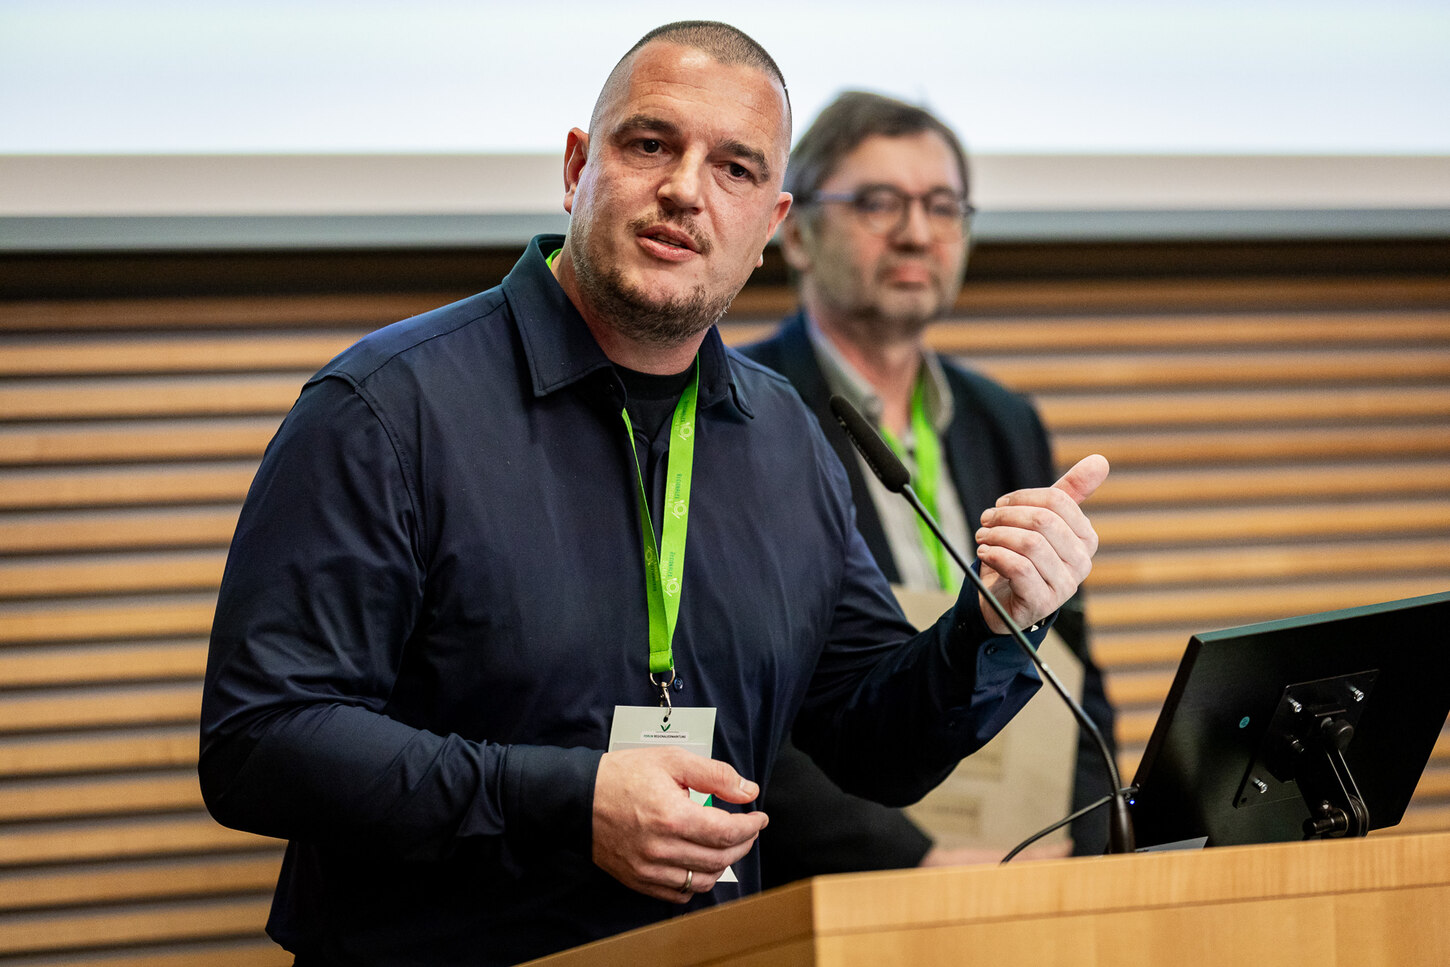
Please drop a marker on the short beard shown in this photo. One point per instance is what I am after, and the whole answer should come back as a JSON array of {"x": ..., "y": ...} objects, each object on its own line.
[
  {"x": 636, "y": 316},
  {"x": 865, "y": 324},
  {"x": 887, "y": 328}
]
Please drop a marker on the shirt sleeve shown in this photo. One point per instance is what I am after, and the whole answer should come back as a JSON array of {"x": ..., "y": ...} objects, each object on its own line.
[
  {"x": 890, "y": 713},
  {"x": 324, "y": 587}
]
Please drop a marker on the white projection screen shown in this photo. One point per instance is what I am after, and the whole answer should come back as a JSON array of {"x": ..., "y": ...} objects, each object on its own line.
[{"x": 438, "y": 121}]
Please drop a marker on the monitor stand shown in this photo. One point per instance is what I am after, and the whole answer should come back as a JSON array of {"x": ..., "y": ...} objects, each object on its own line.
[{"x": 1303, "y": 755}]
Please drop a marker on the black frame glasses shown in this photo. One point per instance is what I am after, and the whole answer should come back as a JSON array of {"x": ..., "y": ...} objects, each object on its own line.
[{"x": 884, "y": 209}]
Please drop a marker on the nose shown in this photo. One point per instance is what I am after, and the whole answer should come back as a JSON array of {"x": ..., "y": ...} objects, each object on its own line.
[
  {"x": 682, "y": 187},
  {"x": 915, "y": 228}
]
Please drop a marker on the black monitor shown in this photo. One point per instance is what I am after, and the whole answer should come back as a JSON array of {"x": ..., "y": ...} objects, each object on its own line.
[{"x": 1316, "y": 726}]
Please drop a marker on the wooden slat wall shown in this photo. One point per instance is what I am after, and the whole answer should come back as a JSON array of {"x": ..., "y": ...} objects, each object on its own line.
[{"x": 1279, "y": 447}]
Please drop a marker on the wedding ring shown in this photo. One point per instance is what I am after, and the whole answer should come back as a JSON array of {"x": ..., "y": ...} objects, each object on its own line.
[{"x": 689, "y": 881}]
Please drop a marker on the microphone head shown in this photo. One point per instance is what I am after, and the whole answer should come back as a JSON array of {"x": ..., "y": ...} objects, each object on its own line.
[{"x": 888, "y": 469}]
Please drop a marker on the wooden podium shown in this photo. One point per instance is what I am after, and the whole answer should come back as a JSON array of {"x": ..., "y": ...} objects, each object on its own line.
[{"x": 1384, "y": 900}]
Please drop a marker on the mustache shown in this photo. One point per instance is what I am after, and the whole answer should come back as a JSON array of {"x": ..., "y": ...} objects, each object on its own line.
[
  {"x": 681, "y": 223},
  {"x": 904, "y": 263}
]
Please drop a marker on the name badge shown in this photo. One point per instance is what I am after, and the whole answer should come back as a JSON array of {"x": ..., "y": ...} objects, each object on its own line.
[{"x": 645, "y": 726}]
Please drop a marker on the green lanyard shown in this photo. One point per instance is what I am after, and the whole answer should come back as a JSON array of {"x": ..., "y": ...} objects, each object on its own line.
[
  {"x": 928, "y": 479},
  {"x": 664, "y": 561}
]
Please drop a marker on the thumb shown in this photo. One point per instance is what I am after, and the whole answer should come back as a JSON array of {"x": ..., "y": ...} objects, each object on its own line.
[
  {"x": 718, "y": 779},
  {"x": 1086, "y": 476}
]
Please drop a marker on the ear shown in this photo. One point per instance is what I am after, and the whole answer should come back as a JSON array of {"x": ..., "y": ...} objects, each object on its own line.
[
  {"x": 793, "y": 245},
  {"x": 782, "y": 206},
  {"x": 576, "y": 153},
  {"x": 777, "y": 215}
]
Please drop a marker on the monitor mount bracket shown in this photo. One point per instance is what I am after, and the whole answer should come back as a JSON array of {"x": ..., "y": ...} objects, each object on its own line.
[{"x": 1302, "y": 755}]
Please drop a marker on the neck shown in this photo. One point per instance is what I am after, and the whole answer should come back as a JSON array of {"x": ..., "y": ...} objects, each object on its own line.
[
  {"x": 891, "y": 366},
  {"x": 652, "y": 358},
  {"x": 659, "y": 359}
]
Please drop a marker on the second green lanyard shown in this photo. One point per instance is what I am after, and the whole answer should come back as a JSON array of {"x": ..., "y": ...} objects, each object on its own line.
[{"x": 928, "y": 479}]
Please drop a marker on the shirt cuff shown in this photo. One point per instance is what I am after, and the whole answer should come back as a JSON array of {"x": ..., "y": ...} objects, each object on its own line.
[
  {"x": 998, "y": 658},
  {"x": 548, "y": 797}
]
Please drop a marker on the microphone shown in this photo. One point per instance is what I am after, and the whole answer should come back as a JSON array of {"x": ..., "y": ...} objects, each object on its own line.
[{"x": 895, "y": 478}]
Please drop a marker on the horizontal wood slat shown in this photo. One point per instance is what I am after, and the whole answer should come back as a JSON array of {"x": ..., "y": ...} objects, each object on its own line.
[
  {"x": 172, "y": 483},
  {"x": 1270, "y": 522},
  {"x": 228, "y": 395},
  {"x": 258, "y": 952},
  {"x": 1101, "y": 411},
  {"x": 274, "y": 352},
  {"x": 110, "y": 574},
  {"x": 131, "y": 661},
  {"x": 1243, "y": 565},
  {"x": 353, "y": 312},
  {"x": 1042, "y": 374},
  {"x": 192, "y": 876},
  {"x": 1121, "y": 649},
  {"x": 87, "y": 620},
  {"x": 111, "y": 795},
  {"x": 976, "y": 337},
  {"x": 120, "y": 751},
  {"x": 1436, "y": 780},
  {"x": 137, "y": 441},
  {"x": 1233, "y": 605},
  {"x": 110, "y": 707},
  {"x": 1224, "y": 294},
  {"x": 1425, "y": 819},
  {"x": 33, "y": 533},
  {"x": 1252, "y": 444},
  {"x": 183, "y": 920},
  {"x": 1139, "y": 487},
  {"x": 91, "y": 841}
]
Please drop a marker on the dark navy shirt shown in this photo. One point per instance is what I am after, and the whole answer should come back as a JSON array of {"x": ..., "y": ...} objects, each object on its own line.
[{"x": 435, "y": 599}]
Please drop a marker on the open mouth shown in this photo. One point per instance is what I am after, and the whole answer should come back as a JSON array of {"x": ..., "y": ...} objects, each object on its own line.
[{"x": 669, "y": 238}]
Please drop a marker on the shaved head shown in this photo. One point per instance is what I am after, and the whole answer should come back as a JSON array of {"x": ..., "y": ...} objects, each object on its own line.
[{"x": 724, "y": 43}]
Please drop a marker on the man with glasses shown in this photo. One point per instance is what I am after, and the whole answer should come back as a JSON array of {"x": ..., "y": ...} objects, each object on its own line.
[{"x": 877, "y": 240}]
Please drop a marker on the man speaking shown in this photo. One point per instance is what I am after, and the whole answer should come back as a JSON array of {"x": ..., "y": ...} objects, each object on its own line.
[{"x": 529, "y": 588}]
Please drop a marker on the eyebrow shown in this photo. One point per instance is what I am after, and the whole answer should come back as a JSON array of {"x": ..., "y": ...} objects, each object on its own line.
[
  {"x": 738, "y": 149},
  {"x": 873, "y": 185}
]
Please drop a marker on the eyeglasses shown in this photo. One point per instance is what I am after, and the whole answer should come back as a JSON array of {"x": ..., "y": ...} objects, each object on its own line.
[{"x": 884, "y": 209}]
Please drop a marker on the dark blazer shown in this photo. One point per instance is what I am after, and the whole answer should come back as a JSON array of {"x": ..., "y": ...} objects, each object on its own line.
[{"x": 995, "y": 443}]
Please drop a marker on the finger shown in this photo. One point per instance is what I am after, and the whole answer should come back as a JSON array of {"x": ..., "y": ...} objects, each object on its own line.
[
  {"x": 707, "y": 863},
  {"x": 1086, "y": 476},
  {"x": 1037, "y": 509},
  {"x": 716, "y": 829},
  {"x": 1063, "y": 497},
  {"x": 667, "y": 879},
  {"x": 1025, "y": 528},
  {"x": 669, "y": 883},
  {"x": 1036, "y": 586},
  {"x": 716, "y": 778}
]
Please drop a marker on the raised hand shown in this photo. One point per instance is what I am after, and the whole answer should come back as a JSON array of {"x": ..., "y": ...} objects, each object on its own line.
[{"x": 1036, "y": 546}]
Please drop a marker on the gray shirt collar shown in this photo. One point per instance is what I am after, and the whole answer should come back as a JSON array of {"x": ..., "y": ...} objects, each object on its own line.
[{"x": 845, "y": 380}]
